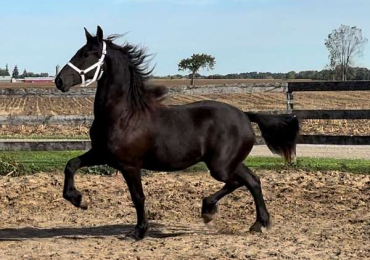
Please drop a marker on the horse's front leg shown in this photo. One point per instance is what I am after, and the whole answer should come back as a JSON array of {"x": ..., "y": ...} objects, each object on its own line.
[
  {"x": 70, "y": 192},
  {"x": 133, "y": 179}
]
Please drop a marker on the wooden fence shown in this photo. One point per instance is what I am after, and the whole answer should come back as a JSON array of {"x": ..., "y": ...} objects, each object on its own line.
[
  {"x": 329, "y": 114},
  {"x": 292, "y": 87}
]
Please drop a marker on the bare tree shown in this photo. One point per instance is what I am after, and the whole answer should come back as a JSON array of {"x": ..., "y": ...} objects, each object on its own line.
[{"x": 344, "y": 44}]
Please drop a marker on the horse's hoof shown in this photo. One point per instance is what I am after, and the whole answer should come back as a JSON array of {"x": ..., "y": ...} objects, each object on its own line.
[
  {"x": 258, "y": 227},
  {"x": 83, "y": 205},
  {"x": 208, "y": 211},
  {"x": 75, "y": 197},
  {"x": 127, "y": 238},
  {"x": 137, "y": 234},
  {"x": 207, "y": 218}
]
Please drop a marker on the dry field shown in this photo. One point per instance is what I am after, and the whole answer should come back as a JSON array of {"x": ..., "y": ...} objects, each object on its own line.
[
  {"x": 316, "y": 215},
  {"x": 247, "y": 102},
  {"x": 244, "y": 101},
  {"x": 164, "y": 82}
]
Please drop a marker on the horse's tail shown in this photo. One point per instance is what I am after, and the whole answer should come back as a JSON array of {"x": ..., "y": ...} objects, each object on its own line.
[{"x": 279, "y": 131}]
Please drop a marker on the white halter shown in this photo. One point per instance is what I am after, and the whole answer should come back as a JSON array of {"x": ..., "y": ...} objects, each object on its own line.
[{"x": 99, "y": 70}]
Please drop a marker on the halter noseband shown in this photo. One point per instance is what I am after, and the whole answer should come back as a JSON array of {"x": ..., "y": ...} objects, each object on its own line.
[{"x": 99, "y": 70}]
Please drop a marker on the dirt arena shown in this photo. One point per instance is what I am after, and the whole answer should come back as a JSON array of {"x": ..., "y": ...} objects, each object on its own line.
[{"x": 316, "y": 215}]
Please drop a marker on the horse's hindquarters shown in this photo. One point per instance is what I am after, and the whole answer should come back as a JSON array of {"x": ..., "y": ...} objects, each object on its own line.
[{"x": 203, "y": 131}]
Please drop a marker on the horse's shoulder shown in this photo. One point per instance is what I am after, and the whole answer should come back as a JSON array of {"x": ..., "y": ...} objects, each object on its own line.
[{"x": 155, "y": 92}]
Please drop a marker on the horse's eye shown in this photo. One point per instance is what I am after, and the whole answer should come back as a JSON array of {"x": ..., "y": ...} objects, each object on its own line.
[{"x": 86, "y": 55}]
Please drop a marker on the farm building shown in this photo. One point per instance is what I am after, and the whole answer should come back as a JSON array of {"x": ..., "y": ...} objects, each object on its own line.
[
  {"x": 5, "y": 78},
  {"x": 39, "y": 80}
]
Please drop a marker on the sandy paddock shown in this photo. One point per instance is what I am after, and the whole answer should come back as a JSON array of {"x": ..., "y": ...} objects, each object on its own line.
[{"x": 316, "y": 215}]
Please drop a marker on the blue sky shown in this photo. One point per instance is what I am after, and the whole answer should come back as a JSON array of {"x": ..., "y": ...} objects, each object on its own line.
[{"x": 243, "y": 35}]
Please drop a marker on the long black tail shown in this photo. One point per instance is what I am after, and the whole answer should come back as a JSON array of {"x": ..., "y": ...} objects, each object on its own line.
[{"x": 279, "y": 131}]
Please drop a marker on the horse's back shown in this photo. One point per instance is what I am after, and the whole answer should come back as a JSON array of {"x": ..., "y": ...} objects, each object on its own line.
[
  {"x": 189, "y": 133},
  {"x": 206, "y": 116}
]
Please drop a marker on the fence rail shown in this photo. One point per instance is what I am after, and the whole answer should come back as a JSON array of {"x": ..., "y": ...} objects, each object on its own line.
[
  {"x": 47, "y": 120},
  {"x": 87, "y": 119},
  {"x": 48, "y": 145},
  {"x": 329, "y": 114},
  {"x": 360, "y": 85},
  {"x": 69, "y": 145},
  {"x": 44, "y": 145}
]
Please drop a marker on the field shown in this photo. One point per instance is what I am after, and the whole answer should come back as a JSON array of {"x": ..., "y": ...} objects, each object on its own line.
[
  {"x": 316, "y": 215},
  {"x": 164, "y": 82},
  {"x": 317, "y": 211},
  {"x": 245, "y": 101}
]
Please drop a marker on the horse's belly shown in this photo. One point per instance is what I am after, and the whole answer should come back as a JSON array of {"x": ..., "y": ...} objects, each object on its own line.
[{"x": 173, "y": 158}]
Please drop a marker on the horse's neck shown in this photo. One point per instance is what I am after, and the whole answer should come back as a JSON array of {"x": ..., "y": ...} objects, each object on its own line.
[
  {"x": 113, "y": 94},
  {"x": 108, "y": 98}
]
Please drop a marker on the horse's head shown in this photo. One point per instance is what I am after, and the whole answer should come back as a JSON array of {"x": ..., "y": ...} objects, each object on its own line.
[{"x": 85, "y": 67}]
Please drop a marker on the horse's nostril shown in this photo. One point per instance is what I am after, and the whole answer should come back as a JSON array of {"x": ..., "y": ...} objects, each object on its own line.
[{"x": 59, "y": 82}]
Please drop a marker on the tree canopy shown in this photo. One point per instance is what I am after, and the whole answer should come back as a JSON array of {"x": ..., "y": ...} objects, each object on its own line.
[
  {"x": 196, "y": 62},
  {"x": 15, "y": 73}
]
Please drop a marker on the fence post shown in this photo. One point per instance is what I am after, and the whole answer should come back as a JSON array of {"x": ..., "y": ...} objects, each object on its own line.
[{"x": 289, "y": 101}]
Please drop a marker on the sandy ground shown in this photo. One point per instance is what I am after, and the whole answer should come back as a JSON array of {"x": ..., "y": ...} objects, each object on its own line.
[{"x": 315, "y": 215}]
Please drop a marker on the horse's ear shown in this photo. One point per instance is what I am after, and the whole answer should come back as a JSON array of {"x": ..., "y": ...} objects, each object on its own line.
[
  {"x": 99, "y": 34},
  {"x": 88, "y": 35}
]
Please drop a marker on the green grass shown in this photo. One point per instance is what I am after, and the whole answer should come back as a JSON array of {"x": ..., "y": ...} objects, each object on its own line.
[
  {"x": 31, "y": 162},
  {"x": 304, "y": 163},
  {"x": 313, "y": 164},
  {"x": 21, "y": 163}
]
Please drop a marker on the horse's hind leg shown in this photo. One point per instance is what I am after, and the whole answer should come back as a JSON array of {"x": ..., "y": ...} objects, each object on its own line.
[
  {"x": 70, "y": 192},
  {"x": 253, "y": 183},
  {"x": 209, "y": 206},
  {"x": 242, "y": 176}
]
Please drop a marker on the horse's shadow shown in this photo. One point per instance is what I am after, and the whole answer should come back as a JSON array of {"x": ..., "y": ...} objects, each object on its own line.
[{"x": 155, "y": 231}]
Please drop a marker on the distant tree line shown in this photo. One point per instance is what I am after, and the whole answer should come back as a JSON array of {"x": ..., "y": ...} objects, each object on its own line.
[
  {"x": 17, "y": 75},
  {"x": 4, "y": 72},
  {"x": 354, "y": 73},
  {"x": 31, "y": 74}
]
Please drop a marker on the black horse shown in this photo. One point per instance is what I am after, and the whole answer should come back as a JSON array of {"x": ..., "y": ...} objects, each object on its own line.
[{"x": 132, "y": 130}]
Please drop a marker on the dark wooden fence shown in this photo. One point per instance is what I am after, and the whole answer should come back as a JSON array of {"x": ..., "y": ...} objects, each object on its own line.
[
  {"x": 291, "y": 88},
  {"x": 329, "y": 114}
]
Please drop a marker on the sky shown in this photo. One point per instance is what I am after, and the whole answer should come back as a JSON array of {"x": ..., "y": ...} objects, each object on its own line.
[{"x": 243, "y": 35}]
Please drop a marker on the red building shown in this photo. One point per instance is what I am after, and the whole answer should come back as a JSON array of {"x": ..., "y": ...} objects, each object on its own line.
[{"x": 38, "y": 80}]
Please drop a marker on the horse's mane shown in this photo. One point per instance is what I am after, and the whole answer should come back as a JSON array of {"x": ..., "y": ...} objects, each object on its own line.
[{"x": 141, "y": 93}]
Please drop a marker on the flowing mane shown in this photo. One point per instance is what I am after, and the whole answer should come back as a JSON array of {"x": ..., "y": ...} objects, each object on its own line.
[{"x": 141, "y": 93}]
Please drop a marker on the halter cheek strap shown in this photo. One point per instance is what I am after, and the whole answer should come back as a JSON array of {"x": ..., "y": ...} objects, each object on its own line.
[{"x": 99, "y": 70}]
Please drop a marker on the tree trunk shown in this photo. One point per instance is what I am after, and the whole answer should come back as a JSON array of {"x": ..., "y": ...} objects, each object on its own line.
[
  {"x": 343, "y": 73},
  {"x": 193, "y": 78}
]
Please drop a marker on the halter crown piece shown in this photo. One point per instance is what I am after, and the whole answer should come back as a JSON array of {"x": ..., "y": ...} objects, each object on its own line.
[{"x": 99, "y": 70}]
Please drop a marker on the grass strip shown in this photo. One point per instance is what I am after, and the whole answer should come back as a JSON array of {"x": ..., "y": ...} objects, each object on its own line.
[{"x": 20, "y": 163}]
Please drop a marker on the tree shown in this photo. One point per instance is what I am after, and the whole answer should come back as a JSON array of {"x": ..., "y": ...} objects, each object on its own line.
[
  {"x": 7, "y": 70},
  {"x": 291, "y": 75},
  {"x": 344, "y": 44},
  {"x": 24, "y": 74},
  {"x": 195, "y": 62},
  {"x": 15, "y": 73}
]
